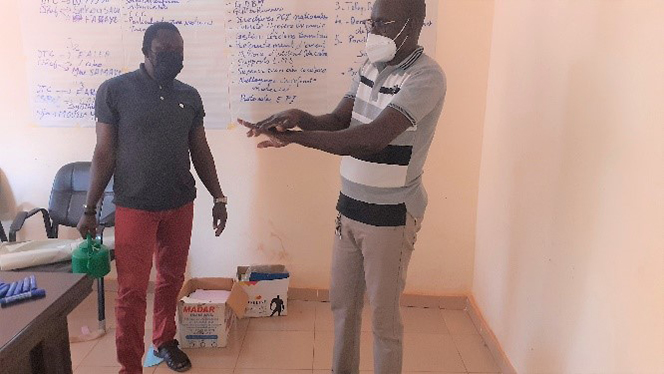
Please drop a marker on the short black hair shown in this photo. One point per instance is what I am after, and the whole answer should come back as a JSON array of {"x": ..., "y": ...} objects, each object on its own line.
[
  {"x": 419, "y": 9},
  {"x": 418, "y": 12},
  {"x": 151, "y": 33}
]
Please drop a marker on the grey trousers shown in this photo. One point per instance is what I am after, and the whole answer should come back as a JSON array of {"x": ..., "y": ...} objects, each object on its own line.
[{"x": 373, "y": 260}]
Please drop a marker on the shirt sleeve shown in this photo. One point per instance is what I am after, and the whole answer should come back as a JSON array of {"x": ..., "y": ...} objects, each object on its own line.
[
  {"x": 106, "y": 110},
  {"x": 420, "y": 94},
  {"x": 200, "y": 112}
]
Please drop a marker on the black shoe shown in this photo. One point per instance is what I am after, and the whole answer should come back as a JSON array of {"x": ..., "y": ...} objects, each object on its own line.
[{"x": 174, "y": 357}]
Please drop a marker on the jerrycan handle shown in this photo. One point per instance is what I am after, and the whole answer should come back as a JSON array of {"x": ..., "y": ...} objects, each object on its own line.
[{"x": 90, "y": 248}]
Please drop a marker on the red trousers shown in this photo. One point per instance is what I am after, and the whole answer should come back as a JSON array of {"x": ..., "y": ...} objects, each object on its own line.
[{"x": 140, "y": 236}]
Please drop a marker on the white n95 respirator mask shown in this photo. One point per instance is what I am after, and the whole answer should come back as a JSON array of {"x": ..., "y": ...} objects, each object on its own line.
[{"x": 383, "y": 49}]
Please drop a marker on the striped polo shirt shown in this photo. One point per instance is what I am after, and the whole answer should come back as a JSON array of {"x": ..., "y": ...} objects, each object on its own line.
[{"x": 380, "y": 189}]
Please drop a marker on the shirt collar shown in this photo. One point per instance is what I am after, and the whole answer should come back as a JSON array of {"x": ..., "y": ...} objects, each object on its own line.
[{"x": 412, "y": 58}]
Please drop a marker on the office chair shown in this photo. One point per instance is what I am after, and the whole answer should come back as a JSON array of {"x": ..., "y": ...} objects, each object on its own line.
[
  {"x": 3, "y": 236},
  {"x": 65, "y": 208},
  {"x": 69, "y": 192}
]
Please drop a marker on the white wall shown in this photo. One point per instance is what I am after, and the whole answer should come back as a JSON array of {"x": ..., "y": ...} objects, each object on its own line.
[
  {"x": 564, "y": 250},
  {"x": 569, "y": 263},
  {"x": 282, "y": 202}
]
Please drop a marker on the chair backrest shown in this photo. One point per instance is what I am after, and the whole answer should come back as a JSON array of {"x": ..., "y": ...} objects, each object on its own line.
[
  {"x": 69, "y": 192},
  {"x": 3, "y": 235}
]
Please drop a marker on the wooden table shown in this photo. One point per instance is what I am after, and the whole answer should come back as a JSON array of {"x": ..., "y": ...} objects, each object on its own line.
[{"x": 33, "y": 335}]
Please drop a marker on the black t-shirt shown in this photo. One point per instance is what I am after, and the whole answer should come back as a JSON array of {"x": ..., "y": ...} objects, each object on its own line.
[{"x": 152, "y": 169}]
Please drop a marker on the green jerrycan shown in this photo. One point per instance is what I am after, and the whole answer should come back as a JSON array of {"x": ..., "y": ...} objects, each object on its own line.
[{"x": 92, "y": 258}]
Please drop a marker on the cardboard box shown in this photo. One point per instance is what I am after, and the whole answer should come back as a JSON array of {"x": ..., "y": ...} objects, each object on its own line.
[
  {"x": 267, "y": 298},
  {"x": 205, "y": 324}
]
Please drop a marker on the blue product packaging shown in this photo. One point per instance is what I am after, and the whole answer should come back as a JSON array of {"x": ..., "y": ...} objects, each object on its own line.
[
  {"x": 26, "y": 285},
  {"x": 3, "y": 290},
  {"x": 34, "y": 294},
  {"x": 12, "y": 288},
  {"x": 18, "y": 289},
  {"x": 267, "y": 276}
]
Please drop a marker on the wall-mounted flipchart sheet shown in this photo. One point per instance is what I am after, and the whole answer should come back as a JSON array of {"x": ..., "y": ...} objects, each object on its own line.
[{"x": 247, "y": 58}]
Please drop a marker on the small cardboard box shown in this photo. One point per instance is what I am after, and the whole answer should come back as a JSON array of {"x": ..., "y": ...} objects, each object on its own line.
[
  {"x": 203, "y": 324},
  {"x": 267, "y": 298}
]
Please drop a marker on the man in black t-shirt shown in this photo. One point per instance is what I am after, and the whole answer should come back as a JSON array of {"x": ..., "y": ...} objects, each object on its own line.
[{"x": 148, "y": 126}]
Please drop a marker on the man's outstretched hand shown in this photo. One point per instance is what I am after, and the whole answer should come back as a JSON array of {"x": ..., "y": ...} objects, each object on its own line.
[
  {"x": 280, "y": 122},
  {"x": 277, "y": 134}
]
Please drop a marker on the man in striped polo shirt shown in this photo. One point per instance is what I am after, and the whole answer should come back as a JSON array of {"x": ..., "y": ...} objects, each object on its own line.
[{"x": 383, "y": 128}]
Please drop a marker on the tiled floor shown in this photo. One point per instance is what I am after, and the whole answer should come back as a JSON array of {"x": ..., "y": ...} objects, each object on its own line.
[{"x": 435, "y": 341}]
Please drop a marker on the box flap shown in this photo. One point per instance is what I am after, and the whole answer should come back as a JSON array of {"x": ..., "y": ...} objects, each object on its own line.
[
  {"x": 238, "y": 300},
  {"x": 241, "y": 270},
  {"x": 194, "y": 284},
  {"x": 186, "y": 289},
  {"x": 199, "y": 296},
  {"x": 277, "y": 268}
]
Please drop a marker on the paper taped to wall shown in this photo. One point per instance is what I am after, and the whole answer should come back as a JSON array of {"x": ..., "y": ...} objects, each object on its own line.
[{"x": 248, "y": 59}]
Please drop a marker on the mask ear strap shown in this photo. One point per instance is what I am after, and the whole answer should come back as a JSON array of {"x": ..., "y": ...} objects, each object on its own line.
[
  {"x": 399, "y": 34},
  {"x": 403, "y": 28}
]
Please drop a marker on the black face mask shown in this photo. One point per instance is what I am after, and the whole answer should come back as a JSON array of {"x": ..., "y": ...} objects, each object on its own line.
[{"x": 168, "y": 66}]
